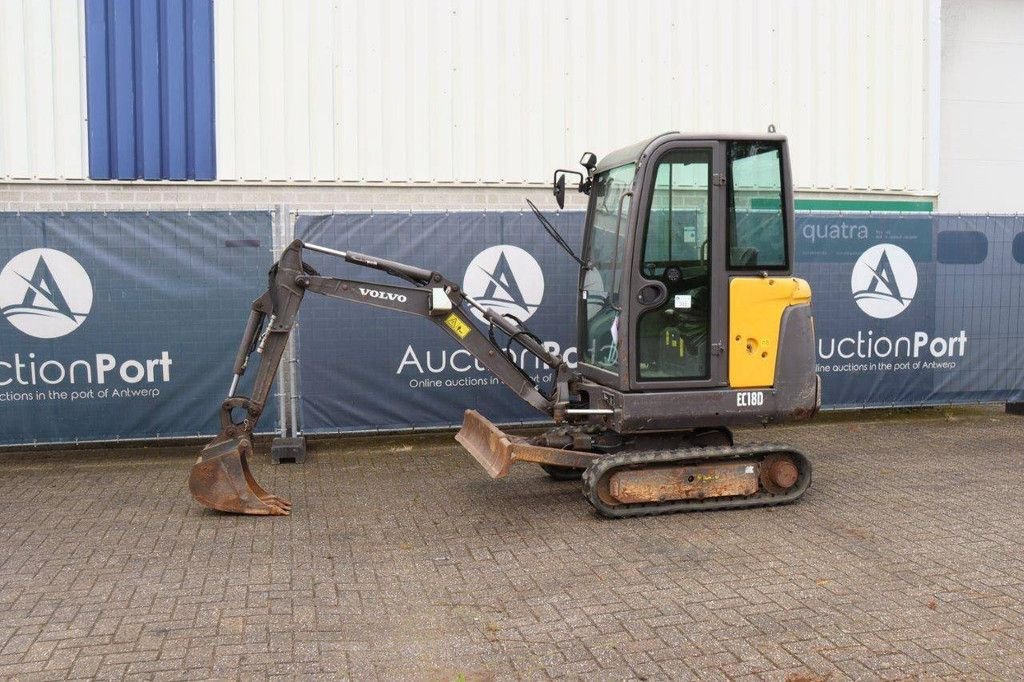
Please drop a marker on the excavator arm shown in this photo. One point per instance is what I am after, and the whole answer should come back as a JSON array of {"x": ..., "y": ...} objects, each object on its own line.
[{"x": 221, "y": 478}]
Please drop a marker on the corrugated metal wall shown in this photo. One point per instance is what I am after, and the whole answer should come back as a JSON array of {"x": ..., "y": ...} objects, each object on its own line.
[
  {"x": 982, "y": 149},
  {"x": 42, "y": 113},
  {"x": 459, "y": 90},
  {"x": 150, "y": 89},
  {"x": 465, "y": 91}
]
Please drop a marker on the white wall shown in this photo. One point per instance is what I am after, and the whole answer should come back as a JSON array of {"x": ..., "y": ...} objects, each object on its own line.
[
  {"x": 982, "y": 147},
  {"x": 42, "y": 90},
  {"x": 467, "y": 91}
]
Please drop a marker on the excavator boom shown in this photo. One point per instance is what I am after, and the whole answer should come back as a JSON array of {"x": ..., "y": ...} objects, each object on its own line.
[{"x": 221, "y": 478}]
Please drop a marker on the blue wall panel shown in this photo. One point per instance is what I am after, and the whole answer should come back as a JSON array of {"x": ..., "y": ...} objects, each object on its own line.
[{"x": 149, "y": 68}]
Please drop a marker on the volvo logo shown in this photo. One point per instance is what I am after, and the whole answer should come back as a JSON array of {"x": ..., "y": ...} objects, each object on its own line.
[
  {"x": 383, "y": 295},
  {"x": 884, "y": 281},
  {"x": 45, "y": 293},
  {"x": 506, "y": 279}
]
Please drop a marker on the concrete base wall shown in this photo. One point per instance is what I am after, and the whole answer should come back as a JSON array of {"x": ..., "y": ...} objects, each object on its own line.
[
  {"x": 168, "y": 196},
  {"x": 325, "y": 198}
]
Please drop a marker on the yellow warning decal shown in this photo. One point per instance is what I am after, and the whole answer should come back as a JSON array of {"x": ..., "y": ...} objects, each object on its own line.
[{"x": 455, "y": 323}]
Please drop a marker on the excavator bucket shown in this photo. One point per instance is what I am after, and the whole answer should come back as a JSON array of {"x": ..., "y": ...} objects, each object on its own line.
[{"x": 221, "y": 480}]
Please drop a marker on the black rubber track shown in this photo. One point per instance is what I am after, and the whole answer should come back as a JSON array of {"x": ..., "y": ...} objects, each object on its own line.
[
  {"x": 756, "y": 452},
  {"x": 558, "y": 473}
]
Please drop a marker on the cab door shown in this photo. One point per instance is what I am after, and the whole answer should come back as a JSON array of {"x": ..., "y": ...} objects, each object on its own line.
[
  {"x": 604, "y": 286},
  {"x": 678, "y": 289}
]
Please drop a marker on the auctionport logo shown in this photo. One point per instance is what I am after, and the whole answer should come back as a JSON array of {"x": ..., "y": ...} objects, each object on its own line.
[
  {"x": 45, "y": 293},
  {"x": 884, "y": 281},
  {"x": 506, "y": 279}
]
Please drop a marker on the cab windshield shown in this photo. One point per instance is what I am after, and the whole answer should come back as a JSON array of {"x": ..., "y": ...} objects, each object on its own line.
[{"x": 605, "y": 250}]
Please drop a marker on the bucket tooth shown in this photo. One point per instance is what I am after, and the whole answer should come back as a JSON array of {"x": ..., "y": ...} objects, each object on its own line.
[{"x": 221, "y": 480}]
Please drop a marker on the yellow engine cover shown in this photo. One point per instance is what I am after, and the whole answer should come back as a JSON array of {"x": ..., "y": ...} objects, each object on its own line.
[{"x": 756, "y": 305}]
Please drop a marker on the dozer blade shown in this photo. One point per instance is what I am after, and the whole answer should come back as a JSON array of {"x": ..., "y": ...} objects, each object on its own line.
[
  {"x": 496, "y": 451},
  {"x": 221, "y": 480},
  {"x": 487, "y": 443}
]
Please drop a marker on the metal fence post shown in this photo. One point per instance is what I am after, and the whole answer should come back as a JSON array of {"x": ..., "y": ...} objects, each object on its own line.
[
  {"x": 276, "y": 248},
  {"x": 293, "y": 347},
  {"x": 290, "y": 446}
]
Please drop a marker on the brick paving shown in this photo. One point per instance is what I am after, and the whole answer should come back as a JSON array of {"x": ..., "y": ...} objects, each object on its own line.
[{"x": 402, "y": 560}]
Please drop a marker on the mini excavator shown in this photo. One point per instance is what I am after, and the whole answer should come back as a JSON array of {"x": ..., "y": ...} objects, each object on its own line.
[{"x": 689, "y": 321}]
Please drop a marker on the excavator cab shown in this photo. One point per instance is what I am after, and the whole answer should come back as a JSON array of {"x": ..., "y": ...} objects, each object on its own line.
[
  {"x": 689, "y": 321},
  {"x": 688, "y": 290}
]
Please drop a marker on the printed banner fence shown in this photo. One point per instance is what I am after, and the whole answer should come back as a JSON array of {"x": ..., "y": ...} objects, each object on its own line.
[
  {"x": 909, "y": 310},
  {"x": 123, "y": 325},
  {"x": 916, "y": 310}
]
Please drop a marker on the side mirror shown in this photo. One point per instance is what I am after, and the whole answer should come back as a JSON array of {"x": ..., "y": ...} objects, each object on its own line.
[
  {"x": 559, "y": 190},
  {"x": 558, "y": 184},
  {"x": 589, "y": 161}
]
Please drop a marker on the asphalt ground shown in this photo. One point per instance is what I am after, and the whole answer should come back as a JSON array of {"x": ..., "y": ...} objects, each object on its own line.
[{"x": 403, "y": 560}]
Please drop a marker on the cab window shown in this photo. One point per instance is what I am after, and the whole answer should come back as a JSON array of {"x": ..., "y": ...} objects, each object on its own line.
[
  {"x": 606, "y": 251},
  {"x": 756, "y": 221},
  {"x": 672, "y": 338}
]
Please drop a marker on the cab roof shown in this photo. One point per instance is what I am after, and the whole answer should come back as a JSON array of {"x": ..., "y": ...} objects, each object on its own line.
[{"x": 635, "y": 151}]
